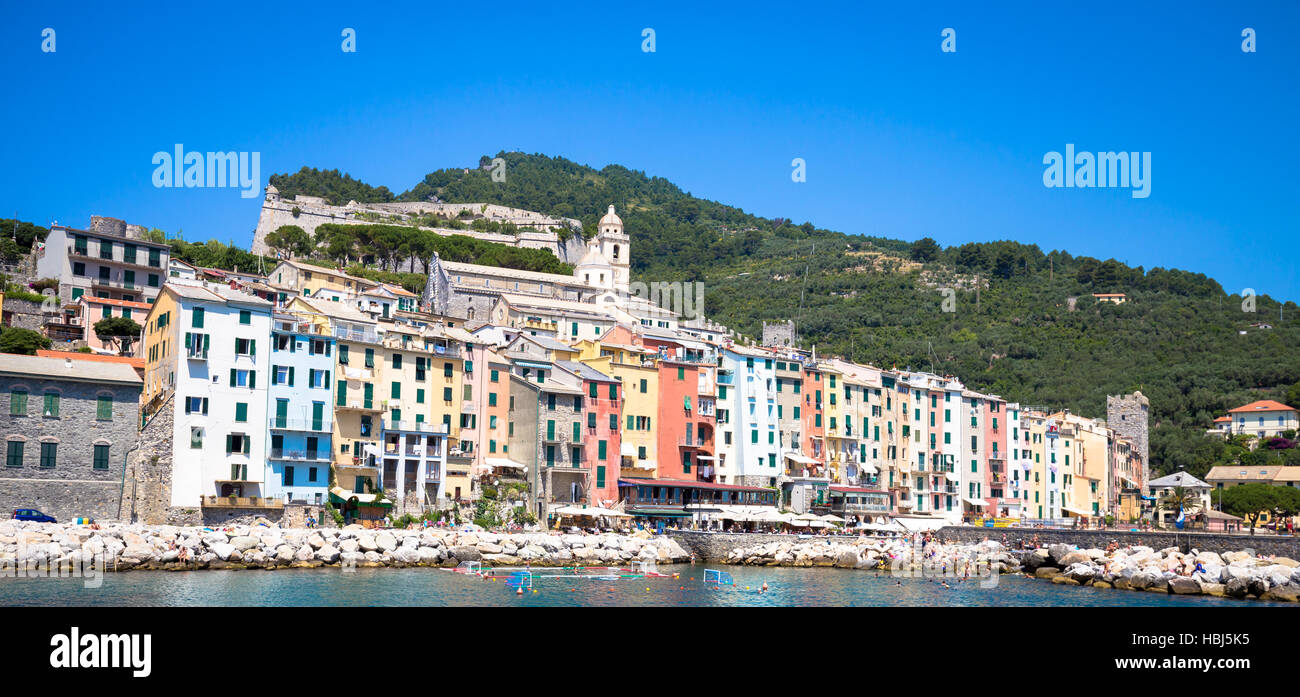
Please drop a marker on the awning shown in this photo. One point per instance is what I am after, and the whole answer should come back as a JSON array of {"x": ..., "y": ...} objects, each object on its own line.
[
  {"x": 801, "y": 459},
  {"x": 1079, "y": 511},
  {"x": 340, "y": 495},
  {"x": 870, "y": 468},
  {"x": 627, "y": 450},
  {"x": 951, "y": 476},
  {"x": 505, "y": 462},
  {"x": 921, "y": 524},
  {"x": 975, "y": 502},
  {"x": 709, "y": 458},
  {"x": 660, "y": 513}
]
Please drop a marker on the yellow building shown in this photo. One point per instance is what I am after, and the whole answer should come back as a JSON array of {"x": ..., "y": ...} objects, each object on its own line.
[
  {"x": 639, "y": 374},
  {"x": 298, "y": 279}
]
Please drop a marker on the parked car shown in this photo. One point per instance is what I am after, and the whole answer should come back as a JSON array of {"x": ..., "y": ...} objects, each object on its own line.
[{"x": 33, "y": 515}]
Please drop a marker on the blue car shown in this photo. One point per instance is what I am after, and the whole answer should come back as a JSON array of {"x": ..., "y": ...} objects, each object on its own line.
[{"x": 33, "y": 515}]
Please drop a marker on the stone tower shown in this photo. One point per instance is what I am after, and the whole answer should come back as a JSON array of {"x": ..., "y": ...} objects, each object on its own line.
[
  {"x": 1128, "y": 415},
  {"x": 779, "y": 334}
]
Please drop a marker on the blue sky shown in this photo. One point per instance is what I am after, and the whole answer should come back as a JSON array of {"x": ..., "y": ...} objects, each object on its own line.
[{"x": 901, "y": 140}]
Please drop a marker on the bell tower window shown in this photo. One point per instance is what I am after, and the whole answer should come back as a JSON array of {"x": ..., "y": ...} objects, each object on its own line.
[{"x": 615, "y": 251}]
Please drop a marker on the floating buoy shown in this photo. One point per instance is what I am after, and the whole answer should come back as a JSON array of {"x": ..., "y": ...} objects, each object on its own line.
[
  {"x": 519, "y": 591},
  {"x": 647, "y": 588},
  {"x": 765, "y": 585}
]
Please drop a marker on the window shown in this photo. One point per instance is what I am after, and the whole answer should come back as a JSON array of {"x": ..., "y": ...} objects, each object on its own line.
[
  {"x": 196, "y": 318},
  {"x": 343, "y": 354},
  {"x": 51, "y": 404},
  {"x": 18, "y": 402},
  {"x": 104, "y": 408},
  {"x": 196, "y": 437},
  {"x": 245, "y": 317},
  {"x": 153, "y": 280},
  {"x": 101, "y": 457},
  {"x": 241, "y": 411},
  {"x": 396, "y": 392},
  {"x": 245, "y": 347},
  {"x": 14, "y": 457},
  {"x": 49, "y": 454}
]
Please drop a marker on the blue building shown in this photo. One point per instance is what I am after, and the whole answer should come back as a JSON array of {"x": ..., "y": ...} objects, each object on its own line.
[{"x": 300, "y": 416}]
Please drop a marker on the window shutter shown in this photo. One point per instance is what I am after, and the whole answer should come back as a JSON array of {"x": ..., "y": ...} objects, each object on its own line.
[
  {"x": 206, "y": 341},
  {"x": 275, "y": 374},
  {"x": 230, "y": 443},
  {"x": 232, "y": 377},
  {"x": 252, "y": 348},
  {"x": 205, "y": 405},
  {"x": 187, "y": 405},
  {"x": 327, "y": 379},
  {"x": 246, "y": 440},
  {"x": 189, "y": 340},
  {"x": 252, "y": 379},
  {"x": 290, "y": 376}
]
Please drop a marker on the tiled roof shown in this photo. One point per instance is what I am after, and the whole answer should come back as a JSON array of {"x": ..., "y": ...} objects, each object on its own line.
[{"x": 1262, "y": 405}]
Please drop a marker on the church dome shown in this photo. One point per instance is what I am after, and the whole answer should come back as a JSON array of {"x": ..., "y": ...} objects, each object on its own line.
[{"x": 611, "y": 218}]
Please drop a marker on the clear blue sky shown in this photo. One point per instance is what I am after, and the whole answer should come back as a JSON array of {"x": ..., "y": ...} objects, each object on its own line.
[{"x": 901, "y": 140}]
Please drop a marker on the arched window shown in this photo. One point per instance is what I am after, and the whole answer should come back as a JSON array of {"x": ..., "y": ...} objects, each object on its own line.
[{"x": 615, "y": 251}]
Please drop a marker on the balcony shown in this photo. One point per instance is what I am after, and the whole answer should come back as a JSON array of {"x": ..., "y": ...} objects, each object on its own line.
[
  {"x": 240, "y": 502},
  {"x": 692, "y": 443},
  {"x": 362, "y": 336},
  {"x": 290, "y": 424},
  {"x": 362, "y": 405},
  {"x": 294, "y": 454},
  {"x": 411, "y": 450},
  {"x": 416, "y": 427},
  {"x": 726, "y": 379}
]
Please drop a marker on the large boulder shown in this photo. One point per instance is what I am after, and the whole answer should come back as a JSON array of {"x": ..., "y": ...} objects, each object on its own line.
[
  {"x": 223, "y": 550},
  {"x": 1058, "y": 552},
  {"x": 328, "y": 554},
  {"x": 243, "y": 542},
  {"x": 366, "y": 543},
  {"x": 465, "y": 553},
  {"x": 1035, "y": 559},
  {"x": 1288, "y": 593},
  {"x": 1236, "y": 588},
  {"x": 1208, "y": 558},
  {"x": 315, "y": 541},
  {"x": 386, "y": 542},
  {"x": 1184, "y": 585},
  {"x": 1074, "y": 557},
  {"x": 1046, "y": 572},
  {"x": 489, "y": 548}
]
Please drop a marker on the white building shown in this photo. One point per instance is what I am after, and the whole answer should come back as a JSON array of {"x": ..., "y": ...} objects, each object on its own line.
[
  {"x": 209, "y": 346},
  {"x": 749, "y": 450}
]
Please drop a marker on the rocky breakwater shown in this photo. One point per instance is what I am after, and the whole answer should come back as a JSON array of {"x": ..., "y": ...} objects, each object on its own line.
[
  {"x": 894, "y": 554},
  {"x": 126, "y": 547},
  {"x": 1239, "y": 574}
]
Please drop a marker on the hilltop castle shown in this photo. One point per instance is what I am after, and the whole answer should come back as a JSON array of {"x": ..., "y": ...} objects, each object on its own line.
[{"x": 536, "y": 230}]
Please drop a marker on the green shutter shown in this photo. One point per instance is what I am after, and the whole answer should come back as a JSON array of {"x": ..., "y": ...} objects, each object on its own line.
[
  {"x": 232, "y": 377},
  {"x": 290, "y": 376},
  {"x": 343, "y": 393}
]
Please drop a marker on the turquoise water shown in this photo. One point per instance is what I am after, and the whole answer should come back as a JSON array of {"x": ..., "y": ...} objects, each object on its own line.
[{"x": 434, "y": 587}]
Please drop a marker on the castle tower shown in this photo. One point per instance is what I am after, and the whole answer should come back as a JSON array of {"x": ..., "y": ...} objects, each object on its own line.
[
  {"x": 1128, "y": 416},
  {"x": 615, "y": 246}
]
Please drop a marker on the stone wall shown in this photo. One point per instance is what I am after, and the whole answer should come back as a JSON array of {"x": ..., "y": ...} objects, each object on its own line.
[
  {"x": 1267, "y": 544},
  {"x": 24, "y": 314},
  {"x": 73, "y": 487},
  {"x": 149, "y": 472}
]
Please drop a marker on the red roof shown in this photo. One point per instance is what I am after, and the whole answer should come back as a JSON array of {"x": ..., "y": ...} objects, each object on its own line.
[
  {"x": 1222, "y": 418},
  {"x": 137, "y": 363},
  {"x": 1262, "y": 405},
  {"x": 117, "y": 303}
]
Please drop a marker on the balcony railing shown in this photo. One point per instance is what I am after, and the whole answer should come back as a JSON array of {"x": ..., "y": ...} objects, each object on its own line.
[
  {"x": 429, "y": 427},
  {"x": 293, "y": 454},
  {"x": 363, "y": 336},
  {"x": 240, "y": 502},
  {"x": 292, "y": 424}
]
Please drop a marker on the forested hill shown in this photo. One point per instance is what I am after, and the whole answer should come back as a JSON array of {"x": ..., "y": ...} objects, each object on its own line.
[{"x": 1024, "y": 323}]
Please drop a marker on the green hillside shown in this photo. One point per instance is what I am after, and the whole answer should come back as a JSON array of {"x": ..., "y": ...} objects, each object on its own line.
[{"x": 879, "y": 301}]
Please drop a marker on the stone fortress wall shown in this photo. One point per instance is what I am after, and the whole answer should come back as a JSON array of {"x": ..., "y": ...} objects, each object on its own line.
[{"x": 313, "y": 211}]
